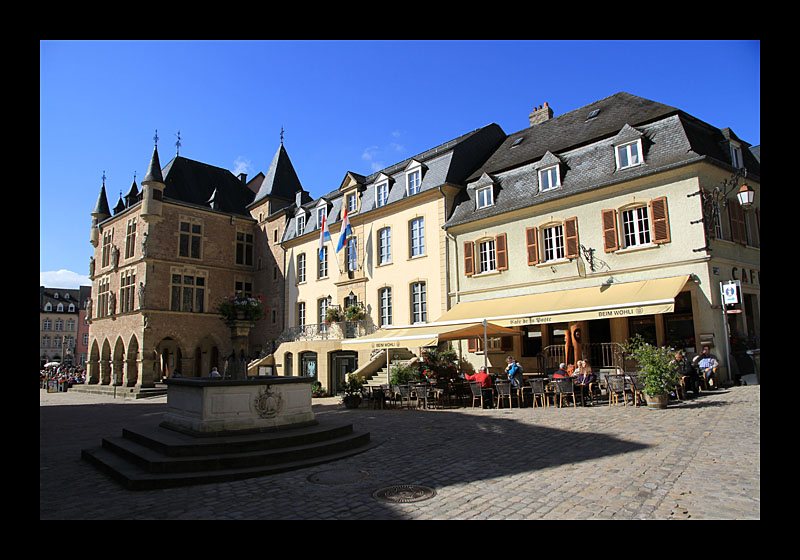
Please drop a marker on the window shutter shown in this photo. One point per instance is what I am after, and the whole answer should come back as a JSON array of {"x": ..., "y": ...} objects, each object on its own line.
[
  {"x": 610, "y": 230},
  {"x": 736, "y": 217},
  {"x": 658, "y": 210},
  {"x": 472, "y": 345},
  {"x": 469, "y": 260},
  {"x": 571, "y": 237},
  {"x": 501, "y": 252},
  {"x": 531, "y": 239}
]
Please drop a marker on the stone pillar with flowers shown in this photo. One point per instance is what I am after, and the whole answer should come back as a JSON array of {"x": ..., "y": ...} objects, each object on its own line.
[{"x": 240, "y": 314}]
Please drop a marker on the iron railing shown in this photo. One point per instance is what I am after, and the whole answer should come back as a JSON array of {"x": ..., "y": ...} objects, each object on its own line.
[{"x": 327, "y": 331}]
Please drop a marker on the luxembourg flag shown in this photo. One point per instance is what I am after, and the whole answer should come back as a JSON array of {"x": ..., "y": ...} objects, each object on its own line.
[
  {"x": 324, "y": 235},
  {"x": 346, "y": 231}
]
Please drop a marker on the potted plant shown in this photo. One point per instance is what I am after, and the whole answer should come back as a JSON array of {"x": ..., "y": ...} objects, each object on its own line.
[
  {"x": 658, "y": 373},
  {"x": 333, "y": 315},
  {"x": 352, "y": 391},
  {"x": 317, "y": 390},
  {"x": 402, "y": 374},
  {"x": 442, "y": 364},
  {"x": 354, "y": 313},
  {"x": 242, "y": 308}
]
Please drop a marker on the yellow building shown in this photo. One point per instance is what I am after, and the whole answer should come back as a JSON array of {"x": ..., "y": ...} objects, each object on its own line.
[{"x": 391, "y": 266}]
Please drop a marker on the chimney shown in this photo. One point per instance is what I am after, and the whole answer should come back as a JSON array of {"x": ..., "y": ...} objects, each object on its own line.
[
  {"x": 540, "y": 114},
  {"x": 243, "y": 178}
]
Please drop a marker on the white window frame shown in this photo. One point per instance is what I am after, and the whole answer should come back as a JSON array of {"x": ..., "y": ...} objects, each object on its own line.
[
  {"x": 381, "y": 194},
  {"x": 322, "y": 266},
  {"x": 322, "y": 213},
  {"x": 736, "y": 155},
  {"x": 385, "y": 246},
  {"x": 417, "y": 237},
  {"x": 301, "y": 268},
  {"x": 487, "y": 257},
  {"x": 635, "y": 226},
  {"x": 414, "y": 181},
  {"x": 385, "y": 306},
  {"x": 626, "y": 150},
  {"x": 301, "y": 314},
  {"x": 352, "y": 203},
  {"x": 419, "y": 303},
  {"x": 484, "y": 197},
  {"x": 351, "y": 254},
  {"x": 553, "y": 243},
  {"x": 549, "y": 178},
  {"x": 300, "y": 224}
]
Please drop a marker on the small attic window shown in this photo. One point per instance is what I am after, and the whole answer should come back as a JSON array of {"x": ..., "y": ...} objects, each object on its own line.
[
  {"x": 593, "y": 114},
  {"x": 518, "y": 141}
]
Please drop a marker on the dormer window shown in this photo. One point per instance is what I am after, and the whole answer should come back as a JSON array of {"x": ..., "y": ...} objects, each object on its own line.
[
  {"x": 413, "y": 178},
  {"x": 549, "y": 178},
  {"x": 322, "y": 213},
  {"x": 352, "y": 203},
  {"x": 736, "y": 156},
  {"x": 629, "y": 154},
  {"x": 301, "y": 224},
  {"x": 48, "y": 307},
  {"x": 55, "y": 295},
  {"x": 484, "y": 197},
  {"x": 381, "y": 194}
]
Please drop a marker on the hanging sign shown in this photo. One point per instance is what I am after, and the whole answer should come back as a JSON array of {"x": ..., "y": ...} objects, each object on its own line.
[{"x": 730, "y": 292}]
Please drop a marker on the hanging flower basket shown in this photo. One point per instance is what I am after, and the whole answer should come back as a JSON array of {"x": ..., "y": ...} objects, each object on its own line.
[
  {"x": 354, "y": 313},
  {"x": 242, "y": 308}
]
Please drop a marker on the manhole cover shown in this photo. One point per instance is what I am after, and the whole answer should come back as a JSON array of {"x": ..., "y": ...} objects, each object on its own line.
[
  {"x": 404, "y": 493},
  {"x": 338, "y": 477}
]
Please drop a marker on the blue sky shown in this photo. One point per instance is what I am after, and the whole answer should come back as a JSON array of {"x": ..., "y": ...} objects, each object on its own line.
[{"x": 345, "y": 106}]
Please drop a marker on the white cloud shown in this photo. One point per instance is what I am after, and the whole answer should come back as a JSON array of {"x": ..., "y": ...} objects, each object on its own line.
[
  {"x": 369, "y": 153},
  {"x": 63, "y": 279},
  {"x": 242, "y": 165}
]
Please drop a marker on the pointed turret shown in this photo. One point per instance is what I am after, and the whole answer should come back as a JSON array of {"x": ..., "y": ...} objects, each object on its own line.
[
  {"x": 133, "y": 195},
  {"x": 152, "y": 187},
  {"x": 100, "y": 213}
]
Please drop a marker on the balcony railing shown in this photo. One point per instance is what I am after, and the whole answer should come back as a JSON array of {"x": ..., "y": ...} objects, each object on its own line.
[{"x": 327, "y": 331}]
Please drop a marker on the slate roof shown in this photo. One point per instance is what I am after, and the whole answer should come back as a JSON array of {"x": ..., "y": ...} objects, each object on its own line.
[
  {"x": 280, "y": 180},
  {"x": 194, "y": 182},
  {"x": 449, "y": 163},
  {"x": 584, "y": 148}
]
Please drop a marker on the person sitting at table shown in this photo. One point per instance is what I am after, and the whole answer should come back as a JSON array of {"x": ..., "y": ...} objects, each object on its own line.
[
  {"x": 513, "y": 370},
  {"x": 561, "y": 371},
  {"x": 584, "y": 375},
  {"x": 691, "y": 379},
  {"x": 486, "y": 383},
  {"x": 707, "y": 364}
]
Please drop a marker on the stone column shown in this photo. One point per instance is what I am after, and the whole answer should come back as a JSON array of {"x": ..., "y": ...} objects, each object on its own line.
[{"x": 240, "y": 332}]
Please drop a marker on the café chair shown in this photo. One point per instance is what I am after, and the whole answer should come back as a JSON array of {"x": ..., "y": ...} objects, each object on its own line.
[
  {"x": 477, "y": 393},
  {"x": 538, "y": 390},
  {"x": 503, "y": 392},
  {"x": 565, "y": 387}
]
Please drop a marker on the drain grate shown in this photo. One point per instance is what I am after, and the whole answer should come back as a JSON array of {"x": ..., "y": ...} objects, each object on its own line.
[
  {"x": 338, "y": 477},
  {"x": 404, "y": 493}
]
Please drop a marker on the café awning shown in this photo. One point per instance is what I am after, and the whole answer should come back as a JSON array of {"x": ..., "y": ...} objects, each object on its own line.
[
  {"x": 425, "y": 335},
  {"x": 609, "y": 300}
]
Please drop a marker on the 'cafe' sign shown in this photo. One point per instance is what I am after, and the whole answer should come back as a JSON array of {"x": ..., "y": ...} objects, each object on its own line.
[{"x": 746, "y": 275}]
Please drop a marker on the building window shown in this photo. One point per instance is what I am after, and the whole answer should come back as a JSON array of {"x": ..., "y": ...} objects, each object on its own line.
[
  {"x": 635, "y": 227},
  {"x": 385, "y": 246},
  {"x": 385, "y": 304},
  {"x": 549, "y": 178},
  {"x": 414, "y": 182},
  {"x": 47, "y": 325},
  {"x": 188, "y": 293},
  {"x": 130, "y": 238},
  {"x": 351, "y": 255},
  {"x": 127, "y": 289},
  {"x": 322, "y": 310},
  {"x": 487, "y": 261},
  {"x": 484, "y": 197},
  {"x": 244, "y": 248},
  {"x": 59, "y": 325},
  {"x": 322, "y": 266},
  {"x": 243, "y": 287},
  {"x": 191, "y": 236},
  {"x": 60, "y": 307},
  {"x": 352, "y": 203},
  {"x": 322, "y": 213},
  {"x": 102, "y": 297},
  {"x": 629, "y": 155},
  {"x": 301, "y": 224},
  {"x": 419, "y": 303},
  {"x": 301, "y": 268},
  {"x": 45, "y": 342},
  {"x": 418, "y": 237},
  {"x": 106, "y": 249},
  {"x": 381, "y": 194},
  {"x": 301, "y": 314},
  {"x": 736, "y": 156},
  {"x": 553, "y": 242}
]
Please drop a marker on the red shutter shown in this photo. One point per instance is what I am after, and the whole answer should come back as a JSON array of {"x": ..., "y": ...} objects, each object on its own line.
[
  {"x": 660, "y": 220},
  {"x": 469, "y": 260},
  {"x": 610, "y": 237},
  {"x": 501, "y": 252},
  {"x": 571, "y": 237},
  {"x": 531, "y": 239}
]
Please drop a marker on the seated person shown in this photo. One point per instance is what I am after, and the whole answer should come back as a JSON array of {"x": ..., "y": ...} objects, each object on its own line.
[
  {"x": 707, "y": 364},
  {"x": 585, "y": 375},
  {"x": 686, "y": 371},
  {"x": 561, "y": 371},
  {"x": 486, "y": 382}
]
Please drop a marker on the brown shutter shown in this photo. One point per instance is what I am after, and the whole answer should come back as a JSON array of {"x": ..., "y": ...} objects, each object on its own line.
[
  {"x": 736, "y": 217},
  {"x": 531, "y": 239},
  {"x": 610, "y": 237},
  {"x": 469, "y": 260},
  {"x": 571, "y": 237},
  {"x": 472, "y": 345},
  {"x": 658, "y": 211},
  {"x": 501, "y": 252}
]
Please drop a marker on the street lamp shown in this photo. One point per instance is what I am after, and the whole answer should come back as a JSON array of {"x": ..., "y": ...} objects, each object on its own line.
[{"x": 713, "y": 199}]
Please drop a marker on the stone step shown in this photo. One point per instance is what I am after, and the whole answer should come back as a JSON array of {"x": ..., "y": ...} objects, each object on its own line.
[{"x": 152, "y": 456}]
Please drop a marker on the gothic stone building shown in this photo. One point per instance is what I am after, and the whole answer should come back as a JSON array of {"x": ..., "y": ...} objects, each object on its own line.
[{"x": 167, "y": 257}]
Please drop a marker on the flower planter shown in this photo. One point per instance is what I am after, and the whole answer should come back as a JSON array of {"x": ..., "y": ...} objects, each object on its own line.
[{"x": 657, "y": 401}]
